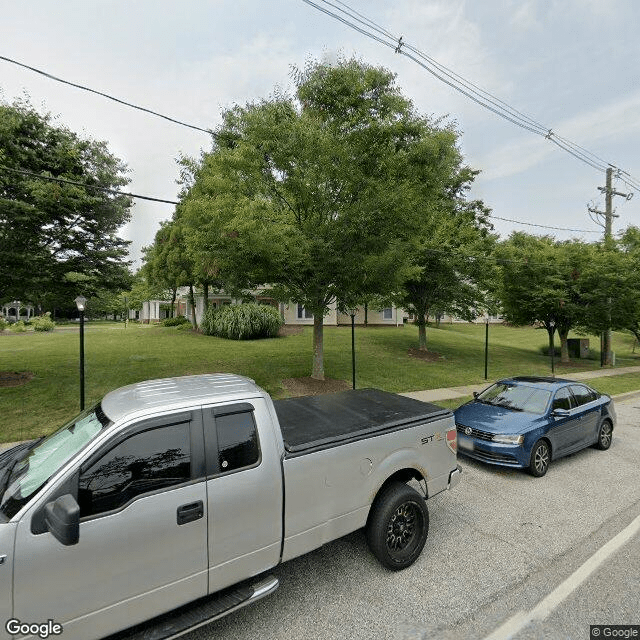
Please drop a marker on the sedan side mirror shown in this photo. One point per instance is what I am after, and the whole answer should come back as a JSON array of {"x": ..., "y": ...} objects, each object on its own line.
[
  {"x": 62, "y": 519},
  {"x": 561, "y": 413}
]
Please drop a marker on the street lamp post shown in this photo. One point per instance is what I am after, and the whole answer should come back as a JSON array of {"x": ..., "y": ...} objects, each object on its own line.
[
  {"x": 552, "y": 324},
  {"x": 352, "y": 313},
  {"x": 81, "y": 301},
  {"x": 486, "y": 348}
]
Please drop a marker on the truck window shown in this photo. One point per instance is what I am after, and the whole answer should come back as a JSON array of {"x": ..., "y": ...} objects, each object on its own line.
[
  {"x": 237, "y": 441},
  {"x": 148, "y": 461}
]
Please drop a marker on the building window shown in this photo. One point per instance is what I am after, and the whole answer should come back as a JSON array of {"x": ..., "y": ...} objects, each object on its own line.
[
  {"x": 387, "y": 314},
  {"x": 303, "y": 313}
]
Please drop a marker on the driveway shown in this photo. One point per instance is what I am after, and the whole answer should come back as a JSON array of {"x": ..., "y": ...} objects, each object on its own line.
[{"x": 499, "y": 544}]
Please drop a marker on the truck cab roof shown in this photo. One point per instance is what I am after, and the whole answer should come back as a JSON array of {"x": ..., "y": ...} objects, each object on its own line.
[{"x": 177, "y": 393}]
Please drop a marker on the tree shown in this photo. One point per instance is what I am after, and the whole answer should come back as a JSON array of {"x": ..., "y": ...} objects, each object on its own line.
[
  {"x": 315, "y": 194},
  {"x": 449, "y": 274},
  {"x": 168, "y": 264},
  {"x": 547, "y": 281},
  {"x": 51, "y": 229}
]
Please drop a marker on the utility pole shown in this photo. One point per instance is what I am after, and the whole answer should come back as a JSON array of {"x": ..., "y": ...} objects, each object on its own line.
[{"x": 607, "y": 355}]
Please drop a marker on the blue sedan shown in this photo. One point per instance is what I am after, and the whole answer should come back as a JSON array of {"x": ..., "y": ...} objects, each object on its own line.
[{"x": 527, "y": 422}]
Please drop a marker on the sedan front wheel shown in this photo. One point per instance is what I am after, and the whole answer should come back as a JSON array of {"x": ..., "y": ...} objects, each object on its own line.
[{"x": 540, "y": 458}]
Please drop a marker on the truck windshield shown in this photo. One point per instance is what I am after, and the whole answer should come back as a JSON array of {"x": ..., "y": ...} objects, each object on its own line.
[{"x": 31, "y": 469}]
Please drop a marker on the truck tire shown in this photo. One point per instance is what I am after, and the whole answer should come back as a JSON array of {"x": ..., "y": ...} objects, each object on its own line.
[{"x": 398, "y": 526}]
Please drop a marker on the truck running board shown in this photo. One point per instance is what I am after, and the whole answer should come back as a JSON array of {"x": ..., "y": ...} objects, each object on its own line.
[{"x": 198, "y": 613}]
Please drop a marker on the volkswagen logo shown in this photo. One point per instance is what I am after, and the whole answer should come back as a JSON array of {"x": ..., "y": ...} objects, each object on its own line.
[{"x": 468, "y": 431}]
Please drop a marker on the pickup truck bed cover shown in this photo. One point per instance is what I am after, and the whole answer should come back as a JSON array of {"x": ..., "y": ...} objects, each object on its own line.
[{"x": 317, "y": 422}]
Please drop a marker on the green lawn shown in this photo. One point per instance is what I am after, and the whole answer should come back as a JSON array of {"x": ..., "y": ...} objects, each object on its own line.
[{"x": 116, "y": 356}]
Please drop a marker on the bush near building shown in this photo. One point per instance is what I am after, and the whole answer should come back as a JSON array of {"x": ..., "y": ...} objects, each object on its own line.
[{"x": 242, "y": 321}]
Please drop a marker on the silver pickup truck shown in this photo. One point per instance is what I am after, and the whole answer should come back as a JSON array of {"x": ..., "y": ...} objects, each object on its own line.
[{"x": 165, "y": 506}]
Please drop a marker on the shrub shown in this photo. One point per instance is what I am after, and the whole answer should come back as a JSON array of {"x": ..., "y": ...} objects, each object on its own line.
[
  {"x": 3, "y": 324},
  {"x": 18, "y": 327},
  {"x": 175, "y": 322},
  {"x": 242, "y": 321},
  {"x": 43, "y": 323}
]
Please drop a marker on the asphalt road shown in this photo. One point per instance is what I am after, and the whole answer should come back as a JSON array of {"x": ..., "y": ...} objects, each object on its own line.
[{"x": 508, "y": 556}]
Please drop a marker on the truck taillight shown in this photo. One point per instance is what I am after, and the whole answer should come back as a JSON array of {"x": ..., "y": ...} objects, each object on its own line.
[{"x": 452, "y": 440}]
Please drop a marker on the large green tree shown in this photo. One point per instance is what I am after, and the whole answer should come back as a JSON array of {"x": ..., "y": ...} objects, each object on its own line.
[
  {"x": 449, "y": 270},
  {"x": 317, "y": 194},
  {"x": 549, "y": 281},
  {"x": 51, "y": 229}
]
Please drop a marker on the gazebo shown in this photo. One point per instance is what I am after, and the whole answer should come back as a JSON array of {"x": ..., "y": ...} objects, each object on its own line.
[{"x": 13, "y": 310}]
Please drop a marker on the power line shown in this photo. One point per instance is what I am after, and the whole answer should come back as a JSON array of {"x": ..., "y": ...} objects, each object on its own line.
[
  {"x": 543, "y": 226},
  {"x": 86, "y": 186},
  {"x": 369, "y": 28},
  {"x": 106, "y": 95}
]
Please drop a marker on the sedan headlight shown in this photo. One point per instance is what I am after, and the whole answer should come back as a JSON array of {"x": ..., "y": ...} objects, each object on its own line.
[{"x": 508, "y": 439}]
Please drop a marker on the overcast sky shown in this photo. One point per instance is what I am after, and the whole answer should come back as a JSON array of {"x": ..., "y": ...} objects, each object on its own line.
[{"x": 572, "y": 65}]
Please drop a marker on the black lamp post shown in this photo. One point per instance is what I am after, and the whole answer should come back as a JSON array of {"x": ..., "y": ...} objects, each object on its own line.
[
  {"x": 81, "y": 301},
  {"x": 552, "y": 324},
  {"x": 486, "y": 347},
  {"x": 352, "y": 313}
]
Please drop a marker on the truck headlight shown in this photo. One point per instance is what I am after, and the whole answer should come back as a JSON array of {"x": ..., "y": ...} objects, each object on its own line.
[{"x": 508, "y": 439}]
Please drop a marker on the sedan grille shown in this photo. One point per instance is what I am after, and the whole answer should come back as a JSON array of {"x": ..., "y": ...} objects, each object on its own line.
[
  {"x": 489, "y": 456},
  {"x": 475, "y": 433}
]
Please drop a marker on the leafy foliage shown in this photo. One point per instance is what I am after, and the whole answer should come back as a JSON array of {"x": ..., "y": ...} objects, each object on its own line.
[
  {"x": 43, "y": 323},
  {"x": 50, "y": 229},
  {"x": 242, "y": 321},
  {"x": 318, "y": 195},
  {"x": 18, "y": 327},
  {"x": 3, "y": 324},
  {"x": 175, "y": 321}
]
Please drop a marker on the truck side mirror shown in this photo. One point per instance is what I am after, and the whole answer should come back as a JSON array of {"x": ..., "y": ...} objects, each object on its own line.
[{"x": 62, "y": 519}]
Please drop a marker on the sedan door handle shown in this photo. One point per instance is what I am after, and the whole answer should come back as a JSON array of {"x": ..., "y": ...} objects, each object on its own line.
[{"x": 190, "y": 512}]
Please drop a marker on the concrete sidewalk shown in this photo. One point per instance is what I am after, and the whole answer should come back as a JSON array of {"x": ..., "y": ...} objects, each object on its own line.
[{"x": 451, "y": 393}]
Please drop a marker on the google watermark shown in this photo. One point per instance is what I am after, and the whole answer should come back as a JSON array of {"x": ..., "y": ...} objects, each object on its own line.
[
  {"x": 43, "y": 630},
  {"x": 625, "y": 631}
]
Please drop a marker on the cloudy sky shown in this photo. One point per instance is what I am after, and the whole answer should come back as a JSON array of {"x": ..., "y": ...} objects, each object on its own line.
[{"x": 571, "y": 65}]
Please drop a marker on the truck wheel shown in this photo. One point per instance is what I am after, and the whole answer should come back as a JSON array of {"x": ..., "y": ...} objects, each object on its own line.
[{"x": 398, "y": 526}]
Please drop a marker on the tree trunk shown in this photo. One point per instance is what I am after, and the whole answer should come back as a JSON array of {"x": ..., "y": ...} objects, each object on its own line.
[
  {"x": 174, "y": 294},
  {"x": 366, "y": 314},
  {"x": 564, "y": 345},
  {"x": 205, "y": 296},
  {"x": 317, "y": 372},
  {"x": 422, "y": 332},
  {"x": 193, "y": 307}
]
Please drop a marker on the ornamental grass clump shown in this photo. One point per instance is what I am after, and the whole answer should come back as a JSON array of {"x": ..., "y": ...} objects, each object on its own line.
[{"x": 242, "y": 321}]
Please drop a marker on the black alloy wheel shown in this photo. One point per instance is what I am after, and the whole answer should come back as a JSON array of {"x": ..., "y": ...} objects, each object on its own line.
[{"x": 398, "y": 526}]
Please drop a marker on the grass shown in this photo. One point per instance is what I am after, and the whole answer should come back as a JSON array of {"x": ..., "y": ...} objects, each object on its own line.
[{"x": 116, "y": 356}]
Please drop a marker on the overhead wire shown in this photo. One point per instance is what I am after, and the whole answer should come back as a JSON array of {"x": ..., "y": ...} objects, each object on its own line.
[
  {"x": 86, "y": 186},
  {"x": 364, "y": 25},
  {"x": 106, "y": 95}
]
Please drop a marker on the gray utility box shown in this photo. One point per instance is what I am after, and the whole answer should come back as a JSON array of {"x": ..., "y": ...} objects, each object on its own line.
[{"x": 578, "y": 347}]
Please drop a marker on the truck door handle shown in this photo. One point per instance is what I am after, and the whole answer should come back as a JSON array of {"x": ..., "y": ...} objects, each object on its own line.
[{"x": 190, "y": 512}]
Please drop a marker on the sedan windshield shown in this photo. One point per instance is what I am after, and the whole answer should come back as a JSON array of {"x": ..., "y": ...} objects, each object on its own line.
[
  {"x": 32, "y": 467},
  {"x": 516, "y": 397}
]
